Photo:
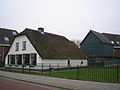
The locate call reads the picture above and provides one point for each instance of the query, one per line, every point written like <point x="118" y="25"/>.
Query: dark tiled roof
<point x="51" y="46"/>
<point x="103" y="38"/>
<point x="113" y="39"/>
<point x="7" y="36"/>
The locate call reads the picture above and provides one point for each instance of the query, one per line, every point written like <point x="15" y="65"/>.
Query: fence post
<point x="29" y="68"/>
<point x="9" y="67"/>
<point x="77" y="72"/>
<point x="117" y="73"/>
<point x="50" y="70"/>
<point x="23" y="68"/>
<point x="42" y="67"/>
<point x="58" y="65"/>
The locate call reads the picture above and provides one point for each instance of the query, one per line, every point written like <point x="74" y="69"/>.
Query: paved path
<point x="6" y="84"/>
<point x="64" y="83"/>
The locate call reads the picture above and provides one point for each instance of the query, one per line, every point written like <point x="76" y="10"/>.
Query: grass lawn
<point x="91" y="74"/>
<point x="111" y="74"/>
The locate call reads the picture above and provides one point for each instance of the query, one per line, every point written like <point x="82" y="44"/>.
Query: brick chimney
<point x="41" y="29"/>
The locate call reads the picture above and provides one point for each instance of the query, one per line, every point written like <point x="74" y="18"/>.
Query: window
<point x="24" y="45"/>
<point x="11" y="59"/>
<point x="81" y="62"/>
<point x="14" y="33"/>
<point x="26" y="59"/>
<point x="112" y="42"/>
<point x="68" y="62"/>
<point x="17" y="47"/>
<point x="33" y="58"/>
<point x="6" y="38"/>
<point x="98" y="60"/>
<point x="118" y="42"/>
<point x="19" y="59"/>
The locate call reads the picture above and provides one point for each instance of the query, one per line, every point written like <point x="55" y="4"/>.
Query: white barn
<point x="34" y="47"/>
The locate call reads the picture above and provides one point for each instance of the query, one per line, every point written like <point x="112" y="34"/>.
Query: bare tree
<point x="77" y="42"/>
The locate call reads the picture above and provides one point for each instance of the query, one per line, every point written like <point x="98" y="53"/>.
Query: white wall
<point x="64" y="62"/>
<point x="29" y="48"/>
<point x="55" y="63"/>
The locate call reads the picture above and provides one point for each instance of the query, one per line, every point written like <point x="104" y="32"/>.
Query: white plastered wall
<point x="29" y="48"/>
<point x="64" y="62"/>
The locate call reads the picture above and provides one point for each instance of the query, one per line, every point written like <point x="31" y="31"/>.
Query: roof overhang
<point x="4" y="44"/>
<point x="116" y="46"/>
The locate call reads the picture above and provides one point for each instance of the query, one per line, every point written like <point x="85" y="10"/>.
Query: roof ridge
<point x="45" y="32"/>
<point x="102" y="37"/>
<point x="8" y="29"/>
<point x="112" y="34"/>
<point x="52" y="46"/>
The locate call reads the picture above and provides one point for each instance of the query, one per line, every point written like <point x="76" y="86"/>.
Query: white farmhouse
<point x="33" y="47"/>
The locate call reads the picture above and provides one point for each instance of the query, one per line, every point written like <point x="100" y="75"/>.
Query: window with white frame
<point x="24" y="45"/>
<point x="11" y="59"/>
<point x="26" y="59"/>
<point x="33" y="58"/>
<point x="19" y="59"/>
<point x="17" y="46"/>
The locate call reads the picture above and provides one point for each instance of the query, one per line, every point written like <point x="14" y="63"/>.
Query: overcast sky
<point x="70" y="18"/>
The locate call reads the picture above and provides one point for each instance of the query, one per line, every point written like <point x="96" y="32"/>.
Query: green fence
<point x="109" y="74"/>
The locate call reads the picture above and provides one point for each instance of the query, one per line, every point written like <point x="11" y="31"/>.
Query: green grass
<point x="110" y="75"/>
<point x="91" y="74"/>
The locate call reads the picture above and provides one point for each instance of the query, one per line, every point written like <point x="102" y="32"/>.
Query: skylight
<point x="118" y="42"/>
<point x="6" y="38"/>
<point x="112" y="42"/>
<point x="14" y="33"/>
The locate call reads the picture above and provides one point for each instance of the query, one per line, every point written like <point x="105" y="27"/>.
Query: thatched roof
<point x="51" y="46"/>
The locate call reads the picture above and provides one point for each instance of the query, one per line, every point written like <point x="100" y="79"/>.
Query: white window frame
<point x="17" y="46"/>
<point x="24" y="45"/>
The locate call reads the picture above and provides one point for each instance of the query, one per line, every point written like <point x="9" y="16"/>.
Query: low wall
<point x="49" y="63"/>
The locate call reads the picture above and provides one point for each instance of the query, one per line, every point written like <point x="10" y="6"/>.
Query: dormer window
<point x="14" y="33"/>
<point x="118" y="42"/>
<point x="24" y="45"/>
<point x="112" y="42"/>
<point x="6" y="38"/>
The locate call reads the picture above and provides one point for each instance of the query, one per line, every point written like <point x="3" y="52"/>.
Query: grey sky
<point x="70" y="18"/>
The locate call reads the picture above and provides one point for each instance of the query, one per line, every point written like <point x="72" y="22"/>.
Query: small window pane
<point x="14" y="33"/>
